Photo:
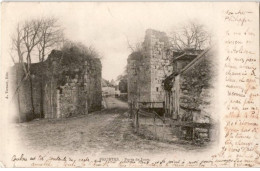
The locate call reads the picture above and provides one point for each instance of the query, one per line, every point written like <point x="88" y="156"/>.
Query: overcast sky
<point x="107" y="25"/>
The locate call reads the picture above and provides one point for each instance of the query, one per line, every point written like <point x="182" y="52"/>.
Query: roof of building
<point x="195" y="61"/>
<point x="187" y="54"/>
<point x="168" y="80"/>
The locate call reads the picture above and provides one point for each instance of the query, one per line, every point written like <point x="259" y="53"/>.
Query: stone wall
<point x="68" y="83"/>
<point x="92" y="83"/>
<point x="196" y="90"/>
<point x="21" y="97"/>
<point x="108" y="91"/>
<point x="138" y="77"/>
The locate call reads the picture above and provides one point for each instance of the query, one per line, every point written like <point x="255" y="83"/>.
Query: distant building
<point x="108" y="91"/>
<point x="113" y="83"/>
<point x="109" y="88"/>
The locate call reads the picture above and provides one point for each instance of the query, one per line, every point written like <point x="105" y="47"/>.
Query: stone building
<point x="67" y="83"/>
<point x="179" y="83"/>
<point x="147" y="69"/>
<point x="190" y="92"/>
<point x="179" y="61"/>
<point x="108" y="91"/>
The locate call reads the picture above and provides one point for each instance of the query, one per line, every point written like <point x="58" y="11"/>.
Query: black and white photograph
<point x="130" y="84"/>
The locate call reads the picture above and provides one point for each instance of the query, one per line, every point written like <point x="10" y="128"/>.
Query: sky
<point x="107" y="25"/>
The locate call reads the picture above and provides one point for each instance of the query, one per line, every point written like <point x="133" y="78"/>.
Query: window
<point x="157" y="89"/>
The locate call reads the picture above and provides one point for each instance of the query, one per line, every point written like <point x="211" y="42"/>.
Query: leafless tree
<point x="137" y="47"/>
<point x="30" y="36"/>
<point x="17" y="44"/>
<point x="190" y="36"/>
<point x="23" y="42"/>
<point x="17" y="47"/>
<point x="51" y="35"/>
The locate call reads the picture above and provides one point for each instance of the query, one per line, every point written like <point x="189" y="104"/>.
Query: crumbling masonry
<point x="147" y="69"/>
<point x="180" y="83"/>
<point x="68" y="83"/>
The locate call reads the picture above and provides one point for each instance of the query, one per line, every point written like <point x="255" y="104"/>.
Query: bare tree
<point x="23" y="42"/>
<point x="191" y="36"/>
<point x="17" y="47"/>
<point x="17" y="44"/>
<point x="31" y="39"/>
<point x="42" y="34"/>
<point x="51" y="35"/>
<point x="137" y="47"/>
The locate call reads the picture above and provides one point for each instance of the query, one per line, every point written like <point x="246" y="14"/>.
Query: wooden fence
<point x="150" y="120"/>
<point x="165" y="128"/>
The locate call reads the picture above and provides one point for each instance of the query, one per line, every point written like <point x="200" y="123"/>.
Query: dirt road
<point x="99" y="133"/>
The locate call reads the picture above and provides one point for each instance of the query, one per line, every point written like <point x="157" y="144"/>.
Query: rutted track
<point x="107" y="132"/>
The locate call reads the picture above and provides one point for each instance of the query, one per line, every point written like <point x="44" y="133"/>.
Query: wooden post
<point x="154" y="124"/>
<point x="164" y="110"/>
<point x="58" y="103"/>
<point x="193" y="133"/>
<point x="209" y="133"/>
<point x="165" y="103"/>
<point x="131" y="109"/>
<point x="136" y="121"/>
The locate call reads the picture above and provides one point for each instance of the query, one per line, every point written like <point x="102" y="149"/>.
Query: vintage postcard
<point x="129" y="84"/>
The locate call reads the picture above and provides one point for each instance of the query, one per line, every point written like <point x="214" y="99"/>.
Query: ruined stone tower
<point x="148" y="68"/>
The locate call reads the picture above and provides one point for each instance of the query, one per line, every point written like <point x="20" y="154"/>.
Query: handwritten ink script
<point x="241" y="118"/>
<point x="241" y="109"/>
<point x="68" y="161"/>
